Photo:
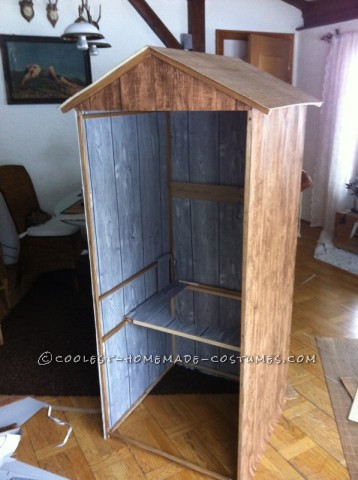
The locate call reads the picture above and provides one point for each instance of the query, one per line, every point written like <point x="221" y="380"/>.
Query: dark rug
<point x="51" y="317"/>
<point x="54" y="320"/>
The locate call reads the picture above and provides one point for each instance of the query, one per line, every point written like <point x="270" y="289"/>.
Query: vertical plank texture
<point x="104" y="207"/>
<point x="273" y="172"/>
<point x="129" y="198"/>
<point x="204" y="168"/>
<point x="128" y="209"/>
<point x="232" y="153"/>
<point x="155" y="85"/>
<point x="208" y="147"/>
<point x="182" y="247"/>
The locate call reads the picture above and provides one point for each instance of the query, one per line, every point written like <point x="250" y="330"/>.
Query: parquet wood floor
<point x="305" y="443"/>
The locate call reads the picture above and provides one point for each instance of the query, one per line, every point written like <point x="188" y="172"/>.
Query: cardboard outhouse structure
<point x="191" y="168"/>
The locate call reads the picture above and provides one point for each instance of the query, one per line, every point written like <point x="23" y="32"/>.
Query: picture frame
<point x="42" y="69"/>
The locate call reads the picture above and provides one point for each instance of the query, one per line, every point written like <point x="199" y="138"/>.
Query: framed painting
<point x="42" y="69"/>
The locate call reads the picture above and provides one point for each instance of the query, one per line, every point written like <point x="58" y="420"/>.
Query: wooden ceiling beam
<point x="196" y="23"/>
<point x="325" y="12"/>
<point x="155" y="23"/>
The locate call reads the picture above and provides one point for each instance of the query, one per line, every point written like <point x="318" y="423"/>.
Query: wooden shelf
<point x="214" y="193"/>
<point x="156" y="314"/>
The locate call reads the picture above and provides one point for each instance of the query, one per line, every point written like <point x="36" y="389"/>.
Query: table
<point x="71" y="209"/>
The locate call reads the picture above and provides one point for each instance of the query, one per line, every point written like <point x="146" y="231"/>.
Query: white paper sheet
<point x="20" y="411"/>
<point x="8" y="445"/>
<point x="19" y="470"/>
<point x="10" y="469"/>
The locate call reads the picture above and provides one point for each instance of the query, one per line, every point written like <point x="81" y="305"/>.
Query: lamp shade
<point x="82" y="43"/>
<point x="99" y="43"/>
<point x="94" y="45"/>
<point x="81" y="29"/>
<point x="93" y="50"/>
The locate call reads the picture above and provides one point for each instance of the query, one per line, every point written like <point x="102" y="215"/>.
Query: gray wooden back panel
<point x="128" y="176"/>
<point x="181" y="212"/>
<point x="129" y="209"/>
<point x="208" y="147"/>
<point x="129" y="367"/>
<point x="101" y="165"/>
<point x="150" y="192"/>
<point x="204" y="168"/>
<point x="232" y="154"/>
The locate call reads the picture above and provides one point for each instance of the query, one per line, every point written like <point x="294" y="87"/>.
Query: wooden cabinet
<point x="345" y="233"/>
<point x="191" y="166"/>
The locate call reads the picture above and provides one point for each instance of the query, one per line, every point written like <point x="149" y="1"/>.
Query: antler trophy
<point x="52" y="12"/>
<point x="84" y="7"/>
<point x="27" y="9"/>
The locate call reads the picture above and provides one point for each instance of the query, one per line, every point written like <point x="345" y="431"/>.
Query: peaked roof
<point x="232" y="76"/>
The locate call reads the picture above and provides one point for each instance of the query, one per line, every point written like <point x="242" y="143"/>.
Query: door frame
<point x="222" y="35"/>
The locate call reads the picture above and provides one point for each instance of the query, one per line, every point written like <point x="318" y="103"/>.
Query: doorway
<point x="270" y="52"/>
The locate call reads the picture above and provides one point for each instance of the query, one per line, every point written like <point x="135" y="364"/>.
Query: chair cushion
<point x="53" y="228"/>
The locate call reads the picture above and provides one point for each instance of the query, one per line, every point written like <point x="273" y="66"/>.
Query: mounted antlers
<point x="27" y="9"/>
<point x="52" y="12"/>
<point x="84" y="7"/>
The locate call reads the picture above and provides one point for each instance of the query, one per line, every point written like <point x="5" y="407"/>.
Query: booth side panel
<point x="272" y="194"/>
<point x="128" y="209"/>
<point x="128" y="198"/>
<point x="104" y="211"/>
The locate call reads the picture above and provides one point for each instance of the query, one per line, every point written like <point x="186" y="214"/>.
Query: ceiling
<point x="315" y="13"/>
<point x="325" y="12"/>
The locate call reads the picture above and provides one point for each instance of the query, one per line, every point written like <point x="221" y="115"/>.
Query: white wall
<point x="311" y="60"/>
<point x="45" y="140"/>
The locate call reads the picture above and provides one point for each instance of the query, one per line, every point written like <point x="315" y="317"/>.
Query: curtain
<point x="337" y="154"/>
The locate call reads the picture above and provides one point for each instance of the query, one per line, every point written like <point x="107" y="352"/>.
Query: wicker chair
<point x="41" y="249"/>
<point x="4" y="288"/>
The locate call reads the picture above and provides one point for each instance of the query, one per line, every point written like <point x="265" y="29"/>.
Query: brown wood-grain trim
<point x="108" y="98"/>
<point x="93" y="265"/>
<point x="189" y="336"/>
<point x="170" y="202"/>
<point x="111" y="113"/>
<point x="156" y="85"/>
<point x="214" y="193"/>
<point x="272" y="189"/>
<point x="114" y="330"/>
<point x="138" y="88"/>
<point x="209" y="81"/>
<point x="210" y="290"/>
<point x="103" y="82"/>
<point x="242" y="394"/>
<point x="128" y="280"/>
